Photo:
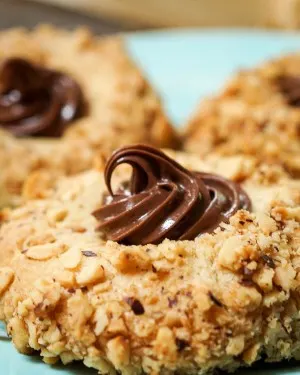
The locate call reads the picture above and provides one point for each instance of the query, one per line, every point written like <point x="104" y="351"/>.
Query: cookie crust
<point x="252" y="116"/>
<point x="220" y="301"/>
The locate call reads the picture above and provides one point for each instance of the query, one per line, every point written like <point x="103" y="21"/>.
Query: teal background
<point x="186" y="65"/>
<point x="183" y="66"/>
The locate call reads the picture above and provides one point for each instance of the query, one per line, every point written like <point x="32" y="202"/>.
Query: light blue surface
<point x="183" y="66"/>
<point x="186" y="65"/>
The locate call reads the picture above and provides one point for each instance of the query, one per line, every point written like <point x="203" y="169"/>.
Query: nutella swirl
<point x="164" y="200"/>
<point x="36" y="101"/>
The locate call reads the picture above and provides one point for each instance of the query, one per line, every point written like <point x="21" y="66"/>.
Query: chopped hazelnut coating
<point x="119" y="106"/>
<point x="222" y="300"/>
<point x="257" y="113"/>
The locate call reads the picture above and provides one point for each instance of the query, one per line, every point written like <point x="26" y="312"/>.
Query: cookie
<point x="257" y="113"/>
<point x="23" y="161"/>
<point x="59" y="89"/>
<point x="54" y="82"/>
<point x="159" y="267"/>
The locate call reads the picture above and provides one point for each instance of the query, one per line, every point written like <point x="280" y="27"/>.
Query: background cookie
<point x="257" y="114"/>
<point x="118" y="106"/>
<point x="220" y="301"/>
<point x="21" y="159"/>
<point x="87" y="90"/>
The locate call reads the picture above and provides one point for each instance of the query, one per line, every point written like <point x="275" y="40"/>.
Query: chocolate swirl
<point x="164" y="200"/>
<point x="36" y="101"/>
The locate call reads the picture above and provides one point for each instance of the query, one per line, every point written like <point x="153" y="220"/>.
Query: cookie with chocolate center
<point x="156" y="263"/>
<point x="257" y="113"/>
<point x="57" y="85"/>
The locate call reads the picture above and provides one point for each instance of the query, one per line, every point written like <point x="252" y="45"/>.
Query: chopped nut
<point x="115" y="309"/>
<point x="103" y="287"/>
<point x="165" y="345"/>
<point x="49" y="360"/>
<point x="52" y="335"/>
<point x="55" y="215"/>
<point x="90" y="273"/>
<point x="233" y="252"/>
<point x="117" y="326"/>
<point x="252" y="266"/>
<point x="285" y="276"/>
<point x="77" y="228"/>
<point x="44" y="252"/>
<point x="296" y="263"/>
<point x="235" y="167"/>
<point x="140" y="325"/>
<point x="65" y="278"/>
<point x="71" y="258"/>
<point x="42" y="239"/>
<point x="291" y="213"/>
<point x="251" y="354"/>
<point x="37" y="185"/>
<point x="286" y="213"/>
<point x="235" y="345"/>
<point x="202" y="354"/>
<point x="173" y="318"/>
<point x="133" y="260"/>
<point x="266" y="223"/>
<point x="118" y="352"/>
<point x="101" y="320"/>
<point x="274" y="297"/>
<point x="57" y="347"/>
<point x="99" y="364"/>
<point x="46" y="295"/>
<point x="68" y="357"/>
<point x="202" y="299"/>
<point x="79" y="312"/>
<point x="264" y="279"/>
<point x="6" y="278"/>
<point x="17" y="330"/>
<point x="242" y="297"/>
<point x="33" y="336"/>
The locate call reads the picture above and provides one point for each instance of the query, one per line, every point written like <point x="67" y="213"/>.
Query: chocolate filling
<point x="35" y="101"/>
<point x="164" y="200"/>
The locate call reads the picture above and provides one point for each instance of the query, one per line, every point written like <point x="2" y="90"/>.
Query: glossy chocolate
<point x="164" y="200"/>
<point x="36" y="101"/>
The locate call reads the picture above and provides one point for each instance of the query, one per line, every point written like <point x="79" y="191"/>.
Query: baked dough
<point x="121" y="107"/>
<point x="223" y="300"/>
<point x="257" y="113"/>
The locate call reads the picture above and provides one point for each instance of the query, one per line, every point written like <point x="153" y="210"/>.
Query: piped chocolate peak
<point x="35" y="101"/>
<point x="164" y="200"/>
